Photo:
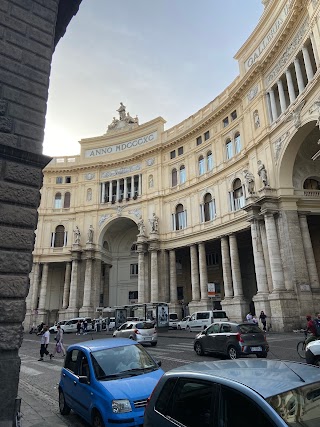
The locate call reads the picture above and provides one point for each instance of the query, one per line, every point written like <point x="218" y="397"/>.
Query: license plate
<point x="256" y="348"/>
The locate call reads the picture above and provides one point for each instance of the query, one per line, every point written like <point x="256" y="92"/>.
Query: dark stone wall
<point x="29" y="32"/>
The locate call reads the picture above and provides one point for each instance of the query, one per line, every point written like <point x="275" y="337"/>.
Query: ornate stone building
<point x="230" y="196"/>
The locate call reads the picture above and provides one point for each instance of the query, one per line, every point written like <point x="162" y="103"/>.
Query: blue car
<point x="108" y="381"/>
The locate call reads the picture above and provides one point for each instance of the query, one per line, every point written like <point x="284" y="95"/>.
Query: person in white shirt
<point x="59" y="343"/>
<point x="249" y="317"/>
<point x="44" y="341"/>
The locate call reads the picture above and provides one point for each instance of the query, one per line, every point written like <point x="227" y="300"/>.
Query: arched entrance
<point x="119" y="283"/>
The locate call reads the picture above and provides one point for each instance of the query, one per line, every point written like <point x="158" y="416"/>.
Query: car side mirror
<point x="83" y="379"/>
<point x="158" y="362"/>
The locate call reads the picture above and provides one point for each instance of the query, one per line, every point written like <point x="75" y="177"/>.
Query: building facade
<point x="230" y="196"/>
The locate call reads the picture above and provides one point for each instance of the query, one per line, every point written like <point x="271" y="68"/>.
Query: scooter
<point x="313" y="353"/>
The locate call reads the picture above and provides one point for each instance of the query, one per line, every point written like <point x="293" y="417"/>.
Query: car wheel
<point x="97" y="420"/>
<point x="63" y="407"/>
<point x="262" y="355"/>
<point x="188" y="329"/>
<point x="232" y="352"/>
<point x="153" y="344"/>
<point x="198" y="349"/>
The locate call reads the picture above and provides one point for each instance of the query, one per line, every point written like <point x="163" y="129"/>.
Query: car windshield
<point x="173" y="316"/>
<point x="249" y="328"/>
<point x="298" y="407"/>
<point x="121" y="361"/>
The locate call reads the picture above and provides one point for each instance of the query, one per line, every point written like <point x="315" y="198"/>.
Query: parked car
<point x="202" y="319"/>
<point x="143" y="332"/>
<point x="108" y="381"/>
<point x="228" y="393"/>
<point x="173" y="320"/>
<point x="71" y="325"/>
<point x="232" y="340"/>
<point x="183" y="323"/>
<point x="313" y="353"/>
<point x="53" y="329"/>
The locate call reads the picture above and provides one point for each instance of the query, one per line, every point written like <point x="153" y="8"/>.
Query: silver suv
<point x="143" y="332"/>
<point x="232" y="340"/>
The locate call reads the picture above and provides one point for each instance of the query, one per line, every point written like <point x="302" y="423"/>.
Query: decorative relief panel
<point x="89" y="176"/>
<point x="277" y="146"/>
<point x="253" y="93"/>
<point x="135" y="212"/>
<point x="120" y="171"/>
<point x="103" y="218"/>
<point x="150" y="162"/>
<point x="288" y="54"/>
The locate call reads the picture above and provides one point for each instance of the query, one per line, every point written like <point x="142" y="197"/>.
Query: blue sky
<point x="164" y="58"/>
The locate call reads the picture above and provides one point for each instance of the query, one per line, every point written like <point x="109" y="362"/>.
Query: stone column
<point x="274" y="112"/>
<point x="106" y="285"/>
<point x="269" y="107"/>
<point x="299" y="75"/>
<point x="87" y="283"/>
<point x="203" y="272"/>
<point x="195" y="284"/>
<point x="73" y="298"/>
<point x="309" y="254"/>
<point x="118" y="190"/>
<point x="154" y="276"/>
<point x="292" y="94"/>
<point x="235" y="266"/>
<point x="103" y="192"/>
<point x="141" y="274"/>
<point x="314" y="49"/>
<point x="139" y="185"/>
<point x="132" y="186"/>
<point x="35" y="290"/>
<point x="266" y="254"/>
<point x="226" y="268"/>
<point x="43" y="288"/>
<point x="259" y="264"/>
<point x="307" y="63"/>
<point x="110" y="191"/>
<point x="173" y="277"/>
<point x="282" y="96"/>
<point x="66" y="286"/>
<point x="274" y="253"/>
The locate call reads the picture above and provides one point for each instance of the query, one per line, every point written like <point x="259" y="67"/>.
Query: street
<point x="174" y="349"/>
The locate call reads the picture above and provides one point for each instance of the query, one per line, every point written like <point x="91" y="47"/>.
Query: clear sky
<point x="164" y="58"/>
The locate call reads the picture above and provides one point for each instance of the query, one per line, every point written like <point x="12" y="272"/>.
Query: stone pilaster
<point x="173" y="277"/>
<point x="226" y="268"/>
<point x="73" y="309"/>
<point x="154" y="273"/>
<point x="87" y="306"/>
<point x="264" y="243"/>
<point x="66" y="286"/>
<point x="235" y="267"/>
<point x="309" y="254"/>
<point x="43" y="292"/>
<point x="141" y="249"/>
<point x="195" y="284"/>
<point x="106" y="283"/>
<point x="203" y="273"/>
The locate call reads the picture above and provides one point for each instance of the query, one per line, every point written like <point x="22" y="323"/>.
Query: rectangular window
<point x="133" y="269"/>
<point x="180" y="151"/>
<point x="206" y="135"/>
<point x="201" y="166"/>
<point x="225" y="122"/>
<point x="234" y="115"/>
<point x="212" y="259"/>
<point x="59" y="180"/>
<point x="229" y="150"/>
<point x="133" y="295"/>
<point x="237" y="144"/>
<point x="68" y="179"/>
<point x="199" y="140"/>
<point x="173" y="154"/>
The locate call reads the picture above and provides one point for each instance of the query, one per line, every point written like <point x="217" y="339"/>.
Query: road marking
<point x="29" y="371"/>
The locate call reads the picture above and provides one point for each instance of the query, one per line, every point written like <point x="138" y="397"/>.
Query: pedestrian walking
<point x="249" y="317"/>
<point x="263" y="319"/>
<point x="44" y="342"/>
<point x="85" y="327"/>
<point x="59" y="348"/>
<point x="78" y="328"/>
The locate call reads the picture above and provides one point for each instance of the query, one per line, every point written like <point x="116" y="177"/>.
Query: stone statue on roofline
<point x="125" y="121"/>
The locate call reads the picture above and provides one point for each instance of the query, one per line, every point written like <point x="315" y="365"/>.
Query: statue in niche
<point x="154" y="222"/>
<point x="262" y="172"/>
<point x="141" y="227"/>
<point x="89" y="195"/>
<point x="90" y="234"/>
<point x="249" y="179"/>
<point x="77" y="235"/>
<point x="122" y="111"/>
<point x="256" y="119"/>
<point x="150" y="181"/>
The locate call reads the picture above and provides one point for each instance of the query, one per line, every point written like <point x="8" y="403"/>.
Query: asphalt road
<point x="174" y="349"/>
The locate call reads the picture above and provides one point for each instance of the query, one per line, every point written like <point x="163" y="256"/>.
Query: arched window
<point x="209" y="161"/>
<point x="59" y="237"/>
<point x="237" y="195"/>
<point x="237" y="143"/>
<point x="58" y="201"/>
<point x="182" y="174"/>
<point x="201" y="165"/>
<point x="66" y="201"/>
<point x="179" y="218"/>
<point x="311" y="184"/>
<point x="174" y="177"/>
<point x="208" y="211"/>
<point x="229" y="149"/>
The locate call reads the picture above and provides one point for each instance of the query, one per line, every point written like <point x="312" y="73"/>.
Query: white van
<point x="173" y="320"/>
<point x="202" y="319"/>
